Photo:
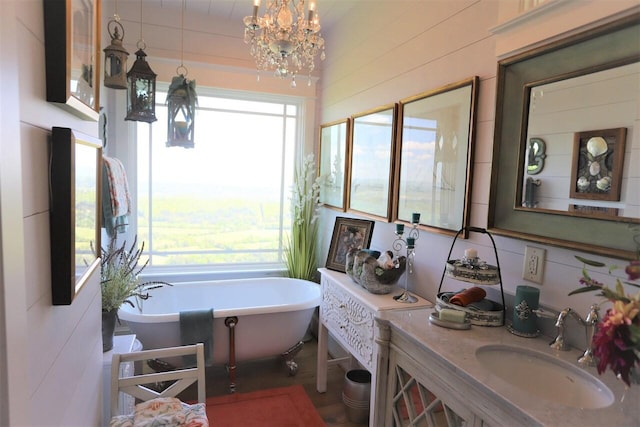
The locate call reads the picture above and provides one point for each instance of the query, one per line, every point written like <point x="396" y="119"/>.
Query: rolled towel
<point x="468" y="296"/>
<point x="484" y="305"/>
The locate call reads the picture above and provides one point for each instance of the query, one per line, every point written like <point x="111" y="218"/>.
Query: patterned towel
<point x="118" y="187"/>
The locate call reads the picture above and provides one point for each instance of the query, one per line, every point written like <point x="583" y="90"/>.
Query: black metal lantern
<point x="181" y="102"/>
<point x="115" y="58"/>
<point x="141" y="91"/>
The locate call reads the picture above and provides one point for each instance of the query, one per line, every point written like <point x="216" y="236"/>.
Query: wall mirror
<point x="564" y="94"/>
<point x="371" y="160"/>
<point x="435" y="156"/>
<point x="331" y="167"/>
<point x="75" y="175"/>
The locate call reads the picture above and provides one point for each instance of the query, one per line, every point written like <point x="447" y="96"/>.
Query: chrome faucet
<point x="592" y="319"/>
<point x="587" y="358"/>
<point x="559" y="343"/>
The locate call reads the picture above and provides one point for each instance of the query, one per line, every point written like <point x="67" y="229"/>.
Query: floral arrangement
<point x="300" y="250"/>
<point x="616" y="342"/>
<point x="119" y="275"/>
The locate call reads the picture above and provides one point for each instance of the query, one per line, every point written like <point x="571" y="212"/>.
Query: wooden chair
<point x="135" y="385"/>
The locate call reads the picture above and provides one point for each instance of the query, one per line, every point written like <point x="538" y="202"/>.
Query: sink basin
<point x="545" y="376"/>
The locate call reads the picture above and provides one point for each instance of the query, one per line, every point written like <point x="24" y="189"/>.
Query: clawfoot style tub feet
<point x="288" y="358"/>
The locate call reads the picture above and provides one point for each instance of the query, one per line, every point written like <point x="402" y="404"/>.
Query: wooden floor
<point x="270" y="373"/>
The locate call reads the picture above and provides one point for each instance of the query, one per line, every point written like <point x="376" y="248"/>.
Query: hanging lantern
<point x="181" y="100"/>
<point x="141" y="90"/>
<point x="115" y="57"/>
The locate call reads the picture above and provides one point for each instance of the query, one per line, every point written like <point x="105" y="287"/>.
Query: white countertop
<point x="458" y="347"/>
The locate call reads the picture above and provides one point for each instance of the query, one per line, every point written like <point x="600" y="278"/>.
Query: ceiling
<point x="330" y="11"/>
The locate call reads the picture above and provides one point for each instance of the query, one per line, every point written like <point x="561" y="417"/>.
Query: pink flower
<point x="613" y="347"/>
<point x="633" y="270"/>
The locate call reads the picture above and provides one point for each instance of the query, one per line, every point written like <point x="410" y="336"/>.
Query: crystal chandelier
<point x="284" y="39"/>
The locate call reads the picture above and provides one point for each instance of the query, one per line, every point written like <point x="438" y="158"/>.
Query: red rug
<point x="277" y="407"/>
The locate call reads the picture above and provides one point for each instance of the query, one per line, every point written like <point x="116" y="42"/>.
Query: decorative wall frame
<point x="72" y="55"/>
<point x="596" y="164"/>
<point x="371" y="162"/>
<point x="348" y="233"/>
<point x="434" y="156"/>
<point x="75" y="183"/>
<point x="334" y="143"/>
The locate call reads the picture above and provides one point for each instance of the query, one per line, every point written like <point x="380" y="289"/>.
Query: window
<point x="224" y="203"/>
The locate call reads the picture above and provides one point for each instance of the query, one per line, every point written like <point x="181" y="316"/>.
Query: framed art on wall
<point x="333" y="157"/>
<point x="72" y="55"/>
<point x="596" y="166"/>
<point x="435" y="156"/>
<point x="371" y="162"/>
<point x="75" y="178"/>
<point x="348" y="233"/>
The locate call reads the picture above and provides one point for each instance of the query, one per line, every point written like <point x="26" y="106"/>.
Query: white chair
<point x="137" y="385"/>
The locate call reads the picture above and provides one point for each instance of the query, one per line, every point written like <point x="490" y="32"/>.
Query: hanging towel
<point x="116" y="202"/>
<point x="197" y="326"/>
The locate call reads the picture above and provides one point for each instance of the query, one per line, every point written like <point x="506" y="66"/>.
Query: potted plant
<point x="120" y="283"/>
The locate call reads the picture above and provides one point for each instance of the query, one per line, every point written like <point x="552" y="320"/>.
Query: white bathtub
<point x="273" y="314"/>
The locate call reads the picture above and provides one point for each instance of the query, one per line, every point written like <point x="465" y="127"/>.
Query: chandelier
<point x="284" y="39"/>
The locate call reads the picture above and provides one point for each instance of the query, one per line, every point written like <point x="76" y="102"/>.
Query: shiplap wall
<point x="604" y="100"/>
<point x="61" y="367"/>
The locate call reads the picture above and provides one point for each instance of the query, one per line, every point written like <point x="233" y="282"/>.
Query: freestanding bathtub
<point x="273" y="315"/>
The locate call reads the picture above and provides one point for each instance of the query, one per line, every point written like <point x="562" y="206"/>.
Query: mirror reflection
<point x="580" y="144"/>
<point x="535" y="156"/>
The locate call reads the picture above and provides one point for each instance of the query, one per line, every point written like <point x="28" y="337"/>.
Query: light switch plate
<point x="533" y="267"/>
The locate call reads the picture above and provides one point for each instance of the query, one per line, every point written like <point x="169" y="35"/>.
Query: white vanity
<point x="348" y="311"/>
<point x="460" y="377"/>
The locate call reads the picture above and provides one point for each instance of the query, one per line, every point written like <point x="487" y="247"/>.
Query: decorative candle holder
<point x="409" y="243"/>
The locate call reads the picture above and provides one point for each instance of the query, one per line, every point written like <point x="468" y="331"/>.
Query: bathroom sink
<point x="545" y="376"/>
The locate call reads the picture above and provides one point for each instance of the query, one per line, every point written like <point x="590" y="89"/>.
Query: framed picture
<point x="596" y="164"/>
<point x="72" y="55"/>
<point x="331" y="168"/>
<point x="348" y="233"/>
<point x="75" y="175"/>
<point x="371" y="160"/>
<point x="435" y="156"/>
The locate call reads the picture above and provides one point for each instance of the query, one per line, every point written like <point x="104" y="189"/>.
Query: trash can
<point x="356" y="395"/>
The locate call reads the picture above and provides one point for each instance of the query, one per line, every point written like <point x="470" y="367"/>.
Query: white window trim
<point x="123" y="145"/>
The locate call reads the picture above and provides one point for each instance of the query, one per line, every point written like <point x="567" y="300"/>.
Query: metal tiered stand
<point x="474" y="271"/>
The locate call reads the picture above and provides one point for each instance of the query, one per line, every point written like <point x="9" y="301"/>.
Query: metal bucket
<point x="356" y="395"/>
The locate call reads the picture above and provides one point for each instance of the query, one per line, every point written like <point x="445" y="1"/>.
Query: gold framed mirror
<point x="582" y="226"/>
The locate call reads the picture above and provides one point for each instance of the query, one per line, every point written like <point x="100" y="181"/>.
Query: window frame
<point x="226" y="271"/>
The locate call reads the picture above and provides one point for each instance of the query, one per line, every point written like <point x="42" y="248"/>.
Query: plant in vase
<point x="300" y="249"/>
<point x="120" y="283"/>
<point x="616" y="342"/>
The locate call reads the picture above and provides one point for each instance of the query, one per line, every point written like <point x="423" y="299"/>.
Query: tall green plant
<point x="300" y="250"/>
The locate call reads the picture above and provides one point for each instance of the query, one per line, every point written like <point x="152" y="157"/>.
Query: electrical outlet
<point x="533" y="264"/>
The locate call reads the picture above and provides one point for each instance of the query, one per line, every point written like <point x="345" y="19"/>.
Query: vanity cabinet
<point x="348" y="312"/>
<point x="418" y="396"/>
<point x="419" y="388"/>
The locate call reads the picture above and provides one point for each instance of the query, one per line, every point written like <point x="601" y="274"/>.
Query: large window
<point x="224" y="203"/>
